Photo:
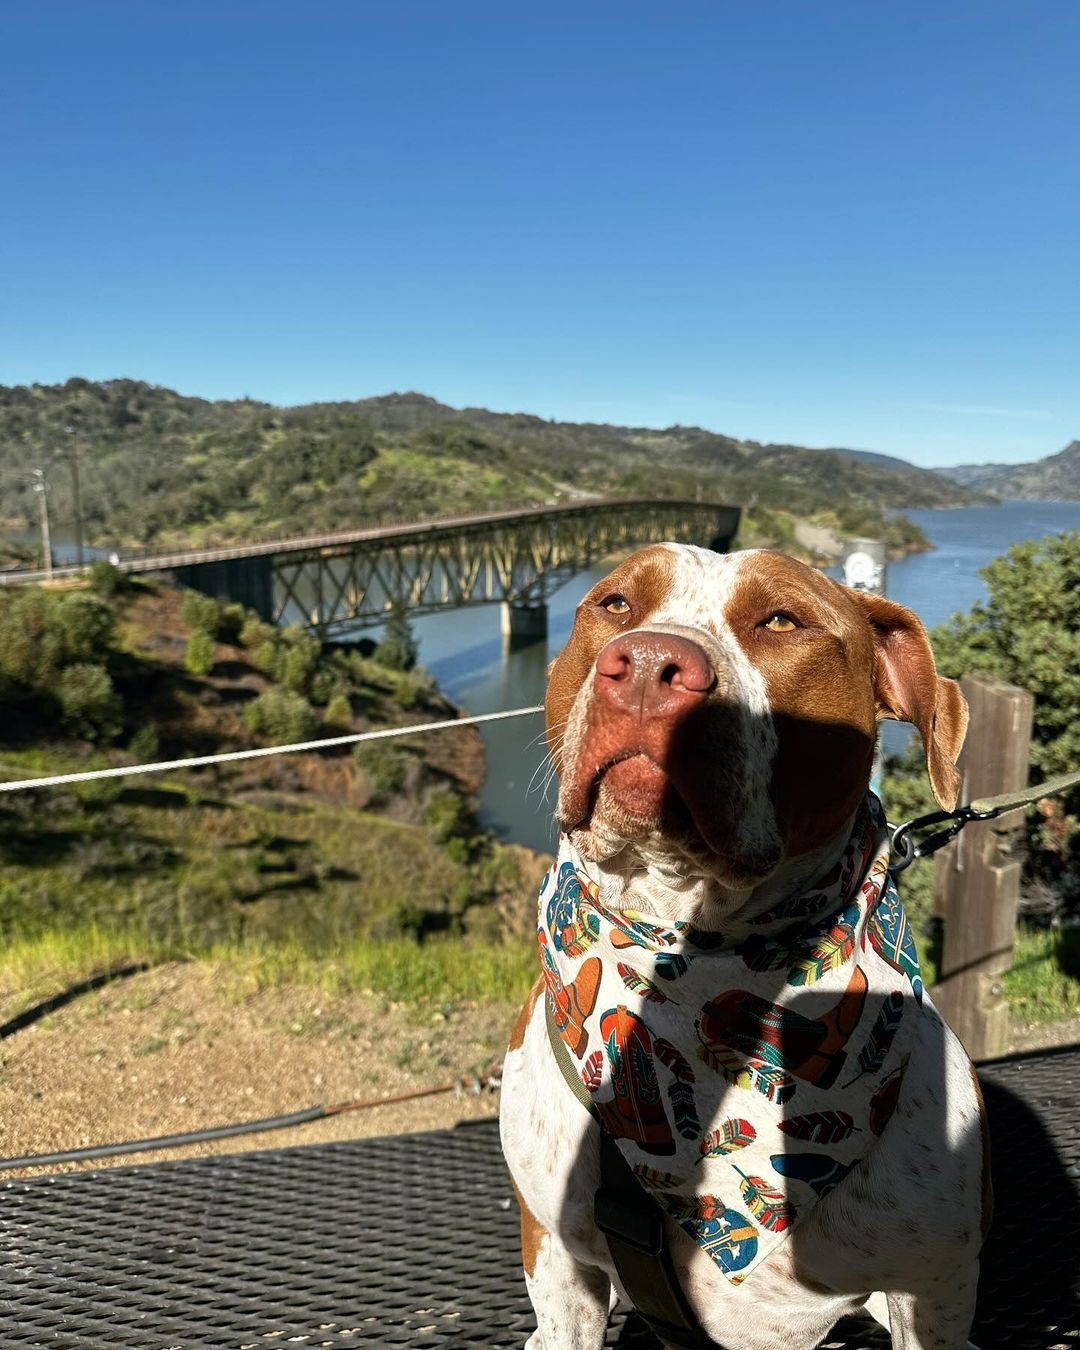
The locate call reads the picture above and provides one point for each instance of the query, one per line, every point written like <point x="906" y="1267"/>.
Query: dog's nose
<point x="654" y="674"/>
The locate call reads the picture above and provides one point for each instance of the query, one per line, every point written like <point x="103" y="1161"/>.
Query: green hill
<point x="158" y="467"/>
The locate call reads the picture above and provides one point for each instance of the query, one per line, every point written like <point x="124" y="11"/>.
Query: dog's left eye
<point x="616" y="604"/>
<point x="780" y="623"/>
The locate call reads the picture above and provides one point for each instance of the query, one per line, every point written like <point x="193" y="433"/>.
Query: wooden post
<point x="976" y="879"/>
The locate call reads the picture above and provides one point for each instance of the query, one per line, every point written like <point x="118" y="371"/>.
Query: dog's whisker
<point x="544" y="787"/>
<point x="537" y="739"/>
<point x="547" y="769"/>
<point x="540" y="768"/>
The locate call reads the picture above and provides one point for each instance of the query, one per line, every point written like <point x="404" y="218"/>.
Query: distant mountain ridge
<point x="160" y="467"/>
<point x="1055" y="478"/>
<point x="904" y="484"/>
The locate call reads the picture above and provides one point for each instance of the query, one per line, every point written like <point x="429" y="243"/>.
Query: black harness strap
<point x="633" y="1224"/>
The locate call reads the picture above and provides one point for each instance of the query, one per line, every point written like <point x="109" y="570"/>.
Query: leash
<point x="629" y="1217"/>
<point x="907" y="849"/>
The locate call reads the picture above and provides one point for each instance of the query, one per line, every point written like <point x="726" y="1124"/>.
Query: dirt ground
<point x="183" y="1047"/>
<point x="818" y="539"/>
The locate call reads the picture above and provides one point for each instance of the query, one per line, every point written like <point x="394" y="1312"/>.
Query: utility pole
<point x="76" y="494"/>
<point x="43" y="504"/>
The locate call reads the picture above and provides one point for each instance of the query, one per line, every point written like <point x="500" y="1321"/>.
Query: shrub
<point x="255" y="631"/>
<point x="106" y="580"/>
<point x="323" y="685"/>
<point x="411" y="688"/>
<point x="264" y="657"/>
<point x="89" y="705"/>
<point x="384" y="766"/>
<point x="145" y="743"/>
<point x="85" y="625"/>
<point x="22" y="634"/>
<point x="199" y="656"/>
<point x="231" y="620"/>
<point x="98" y="795"/>
<point x="445" y="815"/>
<point x="458" y="849"/>
<point x="41" y="633"/>
<point x="200" y="612"/>
<point x="339" y="709"/>
<point x="282" y="716"/>
<point x="298" y="668"/>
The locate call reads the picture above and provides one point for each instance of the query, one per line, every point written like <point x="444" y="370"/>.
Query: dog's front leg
<point x="937" y="1318"/>
<point x="570" y="1299"/>
<point x="552" y="1150"/>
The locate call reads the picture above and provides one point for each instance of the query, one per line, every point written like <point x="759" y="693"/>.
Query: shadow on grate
<point x="413" y="1241"/>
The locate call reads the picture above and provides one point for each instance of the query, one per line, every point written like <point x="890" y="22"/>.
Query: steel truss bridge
<point x="351" y="580"/>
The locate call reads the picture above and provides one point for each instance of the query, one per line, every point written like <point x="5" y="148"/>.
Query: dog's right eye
<point x="616" y="604"/>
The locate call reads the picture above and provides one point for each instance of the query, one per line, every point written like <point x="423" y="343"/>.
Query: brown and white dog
<point x="713" y="721"/>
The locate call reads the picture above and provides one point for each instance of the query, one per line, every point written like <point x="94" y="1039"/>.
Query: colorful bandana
<point x="743" y="1076"/>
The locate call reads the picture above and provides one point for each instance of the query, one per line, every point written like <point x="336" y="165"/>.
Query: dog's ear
<point x="908" y="688"/>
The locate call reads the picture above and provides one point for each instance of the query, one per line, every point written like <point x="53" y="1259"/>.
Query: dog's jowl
<point x="729" y="1009"/>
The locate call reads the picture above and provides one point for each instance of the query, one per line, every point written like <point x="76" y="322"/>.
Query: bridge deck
<point x="413" y="1241"/>
<point x="400" y="533"/>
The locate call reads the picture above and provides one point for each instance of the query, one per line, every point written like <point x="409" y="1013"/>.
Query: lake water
<point x="463" y="648"/>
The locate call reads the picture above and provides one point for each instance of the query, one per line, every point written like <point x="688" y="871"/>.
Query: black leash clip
<point x="906" y="848"/>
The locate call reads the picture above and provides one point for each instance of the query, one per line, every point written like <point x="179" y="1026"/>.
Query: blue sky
<point x="803" y="220"/>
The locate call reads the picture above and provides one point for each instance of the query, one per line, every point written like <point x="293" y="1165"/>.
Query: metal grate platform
<point x="413" y="1241"/>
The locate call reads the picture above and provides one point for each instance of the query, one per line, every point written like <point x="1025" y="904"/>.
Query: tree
<point x="86" y="625"/>
<point x="89" y="704"/>
<point x="398" y="648"/>
<point x="1028" y="632"/>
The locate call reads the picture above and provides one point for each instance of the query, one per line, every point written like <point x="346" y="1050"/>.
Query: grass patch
<point x="440" y="972"/>
<point x="191" y="871"/>
<point x="434" y="973"/>
<point x="1044" y="982"/>
<point x="35" y="968"/>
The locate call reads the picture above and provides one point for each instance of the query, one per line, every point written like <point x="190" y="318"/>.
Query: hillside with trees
<point x="161" y="468"/>
<point x="377" y="841"/>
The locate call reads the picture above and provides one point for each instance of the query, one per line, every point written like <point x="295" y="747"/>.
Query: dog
<point x="713" y="720"/>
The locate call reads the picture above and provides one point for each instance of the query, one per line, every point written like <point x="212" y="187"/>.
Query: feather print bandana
<point x="743" y="1075"/>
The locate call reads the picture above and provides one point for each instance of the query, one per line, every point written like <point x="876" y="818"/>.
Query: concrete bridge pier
<point x="523" y="623"/>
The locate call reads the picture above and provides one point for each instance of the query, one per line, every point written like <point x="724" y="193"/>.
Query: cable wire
<point x="231" y="756"/>
<point x="475" y="1083"/>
